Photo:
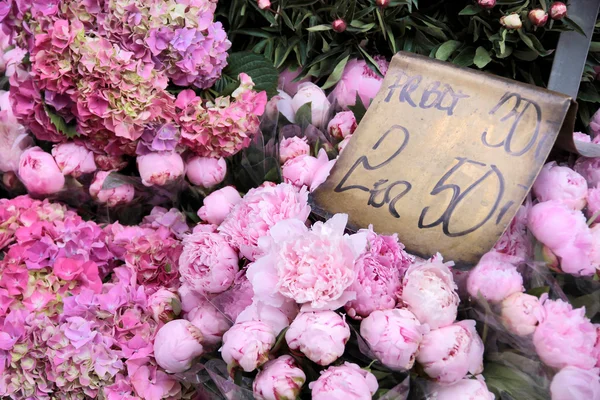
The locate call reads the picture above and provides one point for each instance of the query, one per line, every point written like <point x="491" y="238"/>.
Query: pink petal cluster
<point x="74" y="159"/>
<point x="279" y="379"/>
<point x="565" y="336"/>
<point x="515" y="241"/>
<point x="320" y="335"/>
<point x="113" y="196"/>
<point x="172" y="219"/>
<point x="176" y="344"/>
<point x="217" y="205"/>
<point x="293" y="147"/>
<point x="342" y="125"/>
<point x="211" y="322"/>
<point x="521" y="313"/>
<point x="13" y="138"/>
<point x="429" y="292"/>
<point x="313" y="267"/>
<point x="206" y="172"/>
<point x="278" y="318"/>
<point x="358" y="79"/>
<point x="207" y="263"/>
<point x="160" y="168"/>
<point x="495" y="277"/>
<point x="247" y="344"/>
<point x="306" y="170"/>
<point x="309" y="93"/>
<point x="449" y="353"/>
<point x="467" y="388"/>
<point x="223" y="127"/>
<point x="394" y="336"/>
<point x="344" y="382"/>
<point x="562" y="184"/>
<point x="576" y="383"/>
<point x="379" y="272"/>
<point x="258" y="212"/>
<point x="39" y="173"/>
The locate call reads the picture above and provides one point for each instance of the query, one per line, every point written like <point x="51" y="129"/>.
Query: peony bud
<point x="449" y="353"/>
<point x="287" y="81"/>
<point x="467" y="389"/>
<point x="319" y="104"/>
<point x="561" y="183"/>
<point x="121" y="194"/>
<point x="394" y="336"/>
<point x="211" y="322"/>
<point x="494" y="277"/>
<point x="74" y="159"/>
<point x="358" y="79"/>
<point x="293" y="147"/>
<point x="342" y="145"/>
<point x="264" y="4"/>
<point x="10" y="180"/>
<point x="247" y="344"/>
<point x="164" y="305"/>
<point x="538" y="17"/>
<point x="558" y="10"/>
<point x="512" y="21"/>
<point x="218" y="204"/>
<point x="339" y="25"/>
<point x="342" y="125"/>
<point x="278" y="318"/>
<point x="487" y="4"/>
<point x="160" y="168"/>
<point x="382" y="3"/>
<point x="344" y="382"/>
<point x="39" y="173"/>
<point x="205" y="171"/>
<point x="279" y="379"/>
<point x="575" y="383"/>
<point x="521" y="313"/>
<point x="176" y="344"/>
<point x="320" y="335"/>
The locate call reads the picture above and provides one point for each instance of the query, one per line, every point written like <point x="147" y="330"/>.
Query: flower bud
<point x="487" y="4"/>
<point x="121" y="194"/>
<point x="560" y="183"/>
<point x="347" y="381"/>
<point x="211" y="322"/>
<point x="293" y="147"/>
<point x="382" y="3"/>
<point x="521" y="313"/>
<point x="164" y="305"/>
<point x="39" y="173"/>
<point x="342" y="125"/>
<point x="177" y="343"/>
<point x="160" y="168"/>
<point x="339" y="25"/>
<point x="279" y="379"/>
<point x="575" y="383"/>
<point x="342" y="145"/>
<point x="319" y="104"/>
<point x="467" y="388"/>
<point x="494" y="277"/>
<point x="205" y="171"/>
<point x="74" y="159"/>
<point x="538" y="17"/>
<point x="558" y="10"/>
<point x="512" y="21"/>
<point x="320" y="335"/>
<point x="247" y="344"/>
<point x="218" y="204"/>
<point x="264" y="4"/>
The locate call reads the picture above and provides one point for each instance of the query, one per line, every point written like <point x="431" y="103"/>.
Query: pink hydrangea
<point x="207" y="263"/>
<point x="173" y="219"/>
<point x="313" y="267"/>
<point x="223" y="127"/>
<point x="259" y="210"/>
<point x="379" y="272"/>
<point x="565" y="336"/>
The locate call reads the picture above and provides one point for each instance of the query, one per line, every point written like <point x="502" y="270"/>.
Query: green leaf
<point x="538" y="291"/>
<point x="502" y="379"/>
<point x="590" y="301"/>
<point x="465" y="58"/>
<point x="446" y="49"/>
<point x="470" y="10"/>
<point x="263" y="73"/>
<point x="319" y="28"/>
<point x="573" y="25"/>
<point x="59" y="123"/>
<point x="304" y="115"/>
<point x="358" y="109"/>
<point x="482" y="57"/>
<point x="336" y="74"/>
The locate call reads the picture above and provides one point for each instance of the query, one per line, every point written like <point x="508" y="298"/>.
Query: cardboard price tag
<point x="444" y="157"/>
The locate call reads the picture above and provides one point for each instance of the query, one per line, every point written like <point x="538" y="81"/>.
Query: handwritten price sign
<point x="444" y="157"/>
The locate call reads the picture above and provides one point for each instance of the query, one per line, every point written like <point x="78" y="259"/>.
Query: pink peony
<point x="464" y="389"/>
<point x="342" y="145"/>
<point x="280" y="104"/>
<point x="120" y="194"/>
<point x="177" y="343"/>
<point x="287" y="80"/>
<point x="359" y="80"/>
<point x="516" y="241"/>
<point x="521" y="313"/>
<point x="279" y="379"/>
<point x="14" y="140"/>
<point x="321" y="336"/>
<point x="342" y="125"/>
<point x="561" y="183"/>
<point x="278" y="318"/>
<point x="208" y="264"/>
<point x="575" y="383"/>
<point x="74" y="159"/>
<point x="494" y="277"/>
<point x="344" y="382"/>
<point x="379" y="272"/>
<point x="429" y="291"/>
<point x="309" y="93"/>
<point x="160" y="168"/>
<point x="259" y="210"/>
<point x="593" y="202"/>
<point x="217" y="205"/>
<point x="595" y="124"/>
<point x="307" y="170"/>
<point x="206" y="172"/>
<point x="449" y="353"/>
<point x="313" y="267"/>
<point x="293" y="147"/>
<point x="322" y="173"/>
<point x="211" y="322"/>
<point x="247" y="344"/>
<point x="164" y="305"/>
<point x="582" y="137"/>
<point x="564" y="336"/>
<point x="589" y="168"/>
<point x="394" y="336"/>
<point x="39" y="173"/>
